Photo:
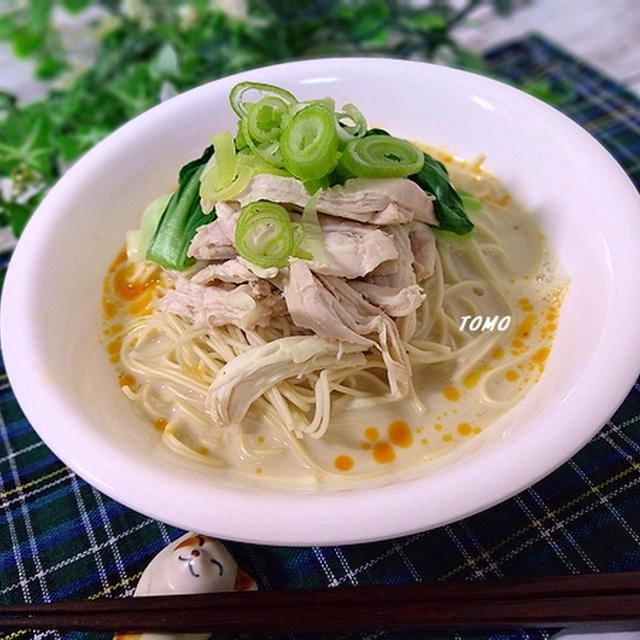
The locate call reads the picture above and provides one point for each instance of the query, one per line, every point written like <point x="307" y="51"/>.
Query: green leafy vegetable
<point x="448" y="205"/>
<point x="181" y="217"/>
<point x="137" y="240"/>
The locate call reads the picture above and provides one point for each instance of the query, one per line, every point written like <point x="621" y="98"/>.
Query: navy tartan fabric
<point x="60" y="538"/>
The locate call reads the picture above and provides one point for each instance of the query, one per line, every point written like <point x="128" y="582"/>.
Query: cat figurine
<point x="194" y="563"/>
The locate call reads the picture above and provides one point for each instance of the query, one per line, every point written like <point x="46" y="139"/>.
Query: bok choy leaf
<point x="180" y="218"/>
<point x="448" y="206"/>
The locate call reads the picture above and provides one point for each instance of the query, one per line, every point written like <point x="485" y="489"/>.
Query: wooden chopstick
<point x="538" y="602"/>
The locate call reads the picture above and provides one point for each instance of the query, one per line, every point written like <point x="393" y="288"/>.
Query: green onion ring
<point x="264" y="234"/>
<point x="268" y="151"/>
<point x="309" y="143"/>
<point x="380" y="156"/>
<point x="220" y="171"/>
<point x="237" y="93"/>
<point x="266" y="118"/>
<point x="356" y="129"/>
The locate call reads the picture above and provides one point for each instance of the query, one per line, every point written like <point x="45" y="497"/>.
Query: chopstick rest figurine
<point x="194" y="563"/>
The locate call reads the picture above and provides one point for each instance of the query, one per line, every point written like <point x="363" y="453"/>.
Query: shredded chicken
<point x="245" y="378"/>
<point x="236" y="270"/>
<point x="367" y="319"/>
<point x="311" y="306"/>
<point x="214" y="241"/>
<point x="245" y="306"/>
<point x="352" y="249"/>
<point x="393" y="301"/>
<point x="370" y="200"/>
<point x="211" y="243"/>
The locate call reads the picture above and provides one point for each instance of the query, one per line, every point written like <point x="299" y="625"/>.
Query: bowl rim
<point x="272" y="510"/>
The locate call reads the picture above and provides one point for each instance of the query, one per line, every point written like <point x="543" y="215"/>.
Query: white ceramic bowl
<point x="589" y="210"/>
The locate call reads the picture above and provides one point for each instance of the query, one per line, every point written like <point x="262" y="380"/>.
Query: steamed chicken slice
<point x="372" y="200"/>
<point x="311" y="306"/>
<point x="398" y="292"/>
<point x="352" y="249"/>
<point x="247" y="305"/>
<point x="214" y="241"/>
<point x="423" y="248"/>
<point x="210" y="242"/>
<point x="331" y="308"/>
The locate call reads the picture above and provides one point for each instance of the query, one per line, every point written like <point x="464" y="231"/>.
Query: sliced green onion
<point x="381" y="156"/>
<point x="264" y="234"/>
<point x="240" y="106"/>
<point x="266" y="118"/>
<point x="309" y="143"/>
<point x="358" y="127"/>
<point x="222" y="167"/>
<point x="258" y="165"/>
<point x="268" y="151"/>
<point x="229" y="191"/>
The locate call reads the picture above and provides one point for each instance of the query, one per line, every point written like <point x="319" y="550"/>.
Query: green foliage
<point x="146" y="49"/>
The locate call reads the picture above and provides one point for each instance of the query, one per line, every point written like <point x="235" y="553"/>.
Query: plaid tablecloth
<point x="60" y="538"/>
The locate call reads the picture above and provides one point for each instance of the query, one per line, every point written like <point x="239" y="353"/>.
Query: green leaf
<point x="25" y="141"/>
<point x="136" y="90"/>
<point x="49" y="67"/>
<point x="19" y="216"/>
<point x="39" y="14"/>
<point x="425" y="20"/>
<point x="8" y="102"/>
<point x="448" y="205"/>
<point x="7" y="24"/>
<point x="82" y="139"/>
<point x="75" y="6"/>
<point x="24" y="42"/>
